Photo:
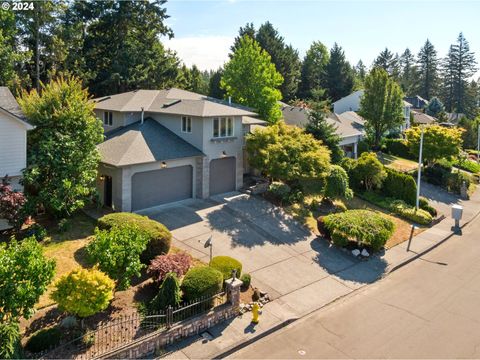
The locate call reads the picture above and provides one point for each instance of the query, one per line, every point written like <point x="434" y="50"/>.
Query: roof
<point x="422" y="118"/>
<point x="347" y="124"/>
<point x="406" y="103"/>
<point x="144" y="143"/>
<point x="10" y="105"/>
<point x="248" y="120"/>
<point x="357" y="92"/>
<point x="171" y="101"/>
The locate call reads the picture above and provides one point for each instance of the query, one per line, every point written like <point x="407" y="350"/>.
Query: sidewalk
<point x="225" y="338"/>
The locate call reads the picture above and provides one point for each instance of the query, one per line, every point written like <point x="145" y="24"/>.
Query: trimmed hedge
<point x="44" y="339"/>
<point x="246" y="280"/>
<point x="365" y="227"/>
<point x="159" y="236"/>
<point x="424" y="205"/>
<point x="468" y="165"/>
<point x="400" y="186"/>
<point x="226" y="264"/>
<point x="397" y="147"/>
<point x="404" y="210"/>
<point x="201" y="281"/>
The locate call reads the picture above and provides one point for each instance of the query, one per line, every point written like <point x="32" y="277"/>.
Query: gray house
<point x="163" y="146"/>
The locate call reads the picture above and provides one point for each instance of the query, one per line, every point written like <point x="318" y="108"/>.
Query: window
<point x="222" y="127"/>
<point x="107" y="118"/>
<point x="186" y="124"/>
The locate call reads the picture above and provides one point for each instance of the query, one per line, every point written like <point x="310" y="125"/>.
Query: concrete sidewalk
<point x="290" y="306"/>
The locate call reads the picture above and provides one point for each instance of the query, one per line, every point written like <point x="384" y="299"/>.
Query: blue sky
<point x="204" y="30"/>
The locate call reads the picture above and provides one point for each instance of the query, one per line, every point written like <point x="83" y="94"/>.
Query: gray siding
<point x="117" y="194"/>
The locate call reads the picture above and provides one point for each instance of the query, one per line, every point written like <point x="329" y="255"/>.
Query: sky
<point x="204" y="30"/>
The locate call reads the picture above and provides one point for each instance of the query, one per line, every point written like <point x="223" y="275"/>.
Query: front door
<point x="107" y="193"/>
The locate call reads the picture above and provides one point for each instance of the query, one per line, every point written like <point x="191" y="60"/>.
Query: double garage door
<point x="158" y="187"/>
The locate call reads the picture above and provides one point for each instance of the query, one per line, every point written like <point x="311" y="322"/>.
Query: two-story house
<point x="163" y="146"/>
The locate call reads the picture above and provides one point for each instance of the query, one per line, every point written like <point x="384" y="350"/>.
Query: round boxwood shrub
<point x="201" y="281"/>
<point x="246" y="280"/>
<point x="159" y="237"/>
<point x="226" y="264"/>
<point x="44" y="339"/>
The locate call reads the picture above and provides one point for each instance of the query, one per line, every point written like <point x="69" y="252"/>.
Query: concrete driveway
<point x="283" y="258"/>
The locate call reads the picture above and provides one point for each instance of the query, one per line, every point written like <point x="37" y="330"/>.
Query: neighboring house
<point x="422" y="118"/>
<point x="349" y="126"/>
<point x="164" y="146"/>
<point x="352" y="103"/>
<point x="13" y="138"/>
<point x="416" y="101"/>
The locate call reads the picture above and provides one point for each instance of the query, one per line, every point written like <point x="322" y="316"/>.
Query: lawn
<point x="397" y="163"/>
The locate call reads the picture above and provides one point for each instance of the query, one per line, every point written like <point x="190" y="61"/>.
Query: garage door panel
<point x="222" y="175"/>
<point x="157" y="187"/>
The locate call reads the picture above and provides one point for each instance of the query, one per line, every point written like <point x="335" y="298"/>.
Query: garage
<point x="222" y="175"/>
<point x="157" y="187"/>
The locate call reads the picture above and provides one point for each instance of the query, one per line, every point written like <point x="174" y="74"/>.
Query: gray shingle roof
<point x="171" y="101"/>
<point x="144" y="143"/>
<point x="422" y="118"/>
<point x="8" y="103"/>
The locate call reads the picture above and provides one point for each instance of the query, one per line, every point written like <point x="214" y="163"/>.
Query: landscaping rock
<point x="356" y="252"/>
<point x="365" y="253"/>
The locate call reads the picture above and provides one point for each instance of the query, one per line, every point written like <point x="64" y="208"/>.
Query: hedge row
<point x="400" y="186"/>
<point x="397" y="147"/>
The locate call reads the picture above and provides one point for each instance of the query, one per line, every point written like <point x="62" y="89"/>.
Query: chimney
<point x="229" y="100"/>
<point x="142" y="116"/>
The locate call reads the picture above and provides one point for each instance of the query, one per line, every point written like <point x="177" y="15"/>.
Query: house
<point x="422" y="118"/>
<point x="13" y="138"/>
<point x="349" y="125"/>
<point x="163" y="146"/>
<point x="416" y="101"/>
<point x="352" y="103"/>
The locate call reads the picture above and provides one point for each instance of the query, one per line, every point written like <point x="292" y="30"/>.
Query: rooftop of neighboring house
<point x="422" y="118"/>
<point x="454" y="117"/>
<point x="10" y="105"/>
<point x="171" y="101"/>
<point x="416" y="101"/>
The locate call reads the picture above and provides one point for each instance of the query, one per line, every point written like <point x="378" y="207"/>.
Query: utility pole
<point x="419" y="176"/>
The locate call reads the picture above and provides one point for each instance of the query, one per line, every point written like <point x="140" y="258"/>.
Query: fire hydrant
<point x="255" y="313"/>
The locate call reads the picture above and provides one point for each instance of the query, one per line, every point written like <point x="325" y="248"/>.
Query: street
<point x="428" y="309"/>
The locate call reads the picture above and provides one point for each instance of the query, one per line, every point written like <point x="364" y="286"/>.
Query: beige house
<point x="164" y="146"/>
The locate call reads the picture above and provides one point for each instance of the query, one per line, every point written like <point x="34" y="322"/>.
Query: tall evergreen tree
<point x="192" y="79"/>
<point x="249" y="30"/>
<point x="427" y="64"/>
<point x="408" y="71"/>
<point x="214" y="88"/>
<point x="360" y="71"/>
<point x="313" y="70"/>
<point x="387" y="61"/>
<point x="339" y="77"/>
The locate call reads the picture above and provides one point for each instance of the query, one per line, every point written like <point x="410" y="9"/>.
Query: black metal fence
<point x="112" y="334"/>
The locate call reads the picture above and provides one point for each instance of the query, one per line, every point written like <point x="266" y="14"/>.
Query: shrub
<point x="11" y="204"/>
<point x="117" y="252"/>
<point x="159" y="237"/>
<point x="83" y="292"/>
<point x="400" y="186"/>
<point x="337" y="184"/>
<point x="404" y="210"/>
<point x="279" y="191"/>
<point x="178" y="263"/>
<point x="226" y="264"/>
<point x="169" y="293"/>
<point x="246" y="280"/>
<point x="64" y="225"/>
<point x="398" y="147"/>
<point x="365" y="227"/>
<point x="201" y="281"/>
<point x="468" y="165"/>
<point x="322" y="228"/>
<point x="424" y="205"/>
<point x="38" y="231"/>
<point x="368" y="172"/>
<point x="455" y="181"/>
<point x="362" y="147"/>
<point x="44" y="339"/>
<point x="438" y="173"/>
<point x="10" y="347"/>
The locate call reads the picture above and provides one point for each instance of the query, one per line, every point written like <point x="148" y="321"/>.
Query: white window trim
<point x="188" y="120"/>
<point x="220" y="118"/>
<point x="107" y="115"/>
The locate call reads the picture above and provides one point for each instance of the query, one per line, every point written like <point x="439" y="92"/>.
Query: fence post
<point x="169" y="316"/>
<point x="233" y="291"/>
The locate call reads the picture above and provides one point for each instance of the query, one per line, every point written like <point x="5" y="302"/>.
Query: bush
<point x="400" y="186"/>
<point x="201" y="281"/>
<point x="365" y="227"/>
<point x="83" y="292"/>
<point x="38" y="231"/>
<point x="468" y="165"/>
<point x="362" y="147"/>
<point x="438" y="173"/>
<point x="159" y="237"/>
<point x="424" y="205"/>
<point x="322" y="229"/>
<point x="337" y="184"/>
<point x="246" y="280"/>
<point x="226" y="264"/>
<point x="178" y="263"/>
<point x="404" y="210"/>
<point x="169" y="293"/>
<point x="455" y="181"/>
<point x="11" y="204"/>
<point x="44" y="339"/>
<point x="117" y="252"/>
<point x="279" y="191"/>
<point x="10" y="346"/>
<point x="64" y="225"/>
<point x="368" y="172"/>
<point x="398" y="147"/>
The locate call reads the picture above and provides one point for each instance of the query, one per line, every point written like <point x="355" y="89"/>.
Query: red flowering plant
<point x="160" y="266"/>
<point x="11" y="204"/>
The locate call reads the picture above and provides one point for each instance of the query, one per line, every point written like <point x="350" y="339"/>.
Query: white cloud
<point x="207" y="52"/>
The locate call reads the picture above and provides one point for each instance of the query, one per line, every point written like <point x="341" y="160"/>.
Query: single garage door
<point x="222" y="175"/>
<point x="157" y="187"/>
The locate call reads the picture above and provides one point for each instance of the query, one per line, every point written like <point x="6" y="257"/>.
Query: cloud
<point x="207" y="52"/>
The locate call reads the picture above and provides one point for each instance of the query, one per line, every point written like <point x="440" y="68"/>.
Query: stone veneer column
<point x="233" y="291"/>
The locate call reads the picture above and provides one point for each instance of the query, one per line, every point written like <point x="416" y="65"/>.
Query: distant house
<point x="163" y="146"/>
<point x="349" y="125"/>
<point x="13" y="138"/>
<point x="416" y="101"/>
<point x="422" y="118"/>
<point x="352" y="103"/>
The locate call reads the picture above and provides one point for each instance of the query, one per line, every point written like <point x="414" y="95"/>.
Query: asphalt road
<point x="428" y="309"/>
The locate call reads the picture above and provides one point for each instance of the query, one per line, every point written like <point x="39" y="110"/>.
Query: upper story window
<point x="222" y="127"/>
<point x="186" y="124"/>
<point x="107" y="118"/>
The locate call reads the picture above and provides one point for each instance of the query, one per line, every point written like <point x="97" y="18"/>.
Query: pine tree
<point x="249" y="30"/>
<point x="339" y="77"/>
<point x="408" y="70"/>
<point x="169" y="293"/>
<point x="387" y="61"/>
<point x="427" y="64"/>
<point x="361" y="71"/>
<point x="313" y="70"/>
<point x="434" y="107"/>
<point x="214" y="88"/>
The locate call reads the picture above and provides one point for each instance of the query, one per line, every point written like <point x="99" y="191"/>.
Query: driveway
<point x="283" y="258"/>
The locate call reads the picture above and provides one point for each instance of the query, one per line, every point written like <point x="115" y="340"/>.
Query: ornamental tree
<point x="438" y="142"/>
<point x="178" y="263"/>
<point x="11" y="204"/>
<point x="337" y="184"/>
<point x="251" y="79"/>
<point x="62" y="154"/>
<point x="287" y="153"/>
<point x="169" y="293"/>
<point x="369" y="171"/>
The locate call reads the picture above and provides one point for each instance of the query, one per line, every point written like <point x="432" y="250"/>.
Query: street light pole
<point x="478" y="144"/>
<point x="419" y="176"/>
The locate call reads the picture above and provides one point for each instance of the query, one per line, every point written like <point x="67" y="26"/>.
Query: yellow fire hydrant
<point x="255" y="313"/>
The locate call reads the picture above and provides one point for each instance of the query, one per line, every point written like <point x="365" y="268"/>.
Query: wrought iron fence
<point x="112" y="334"/>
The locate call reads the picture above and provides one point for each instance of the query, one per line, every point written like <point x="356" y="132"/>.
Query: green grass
<point x="397" y="163"/>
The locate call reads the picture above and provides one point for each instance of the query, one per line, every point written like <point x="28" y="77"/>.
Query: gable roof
<point x="10" y="105"/>
<point x="171" y="101"/>
<point x="140" y="143"/>
<point x="422" y="118"/>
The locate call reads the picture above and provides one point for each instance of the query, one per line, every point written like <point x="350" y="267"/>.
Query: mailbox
<point x="457" y="212"/>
